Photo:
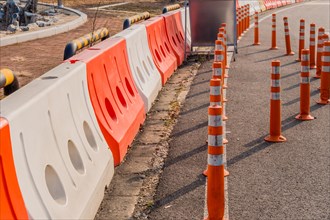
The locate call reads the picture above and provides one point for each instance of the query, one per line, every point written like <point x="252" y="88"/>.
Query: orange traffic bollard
<point x="319" y="52"/>
<point x="248" y="17"/>
<point x="301" y="38"/>
<point x="287" y="37"/>
<point x="216" y="92"/>
<point x="274" y="47"/>
<point x="256" y="29"/>
<point x="325" y="76"/>
<point x="312" y="47"/>
<point x="218" y="74"/>
<point x="223" y="31"/>
<point x="275" y="106"/>
<point x="219" y="57"/>
<point x="304" y="88"/>
<point x="245" y="18"/>
<point x="215" y="166"/>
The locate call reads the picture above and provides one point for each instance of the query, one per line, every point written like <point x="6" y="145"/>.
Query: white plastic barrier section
<point x="187" y="19"/>
<point x="146" y="76"/>
<point x="62" y="161"/>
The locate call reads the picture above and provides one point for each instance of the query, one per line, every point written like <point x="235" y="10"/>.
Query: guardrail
<point x="170" y="8"/>
<point x="8" y="81"/>
<point x="134" y="19"/>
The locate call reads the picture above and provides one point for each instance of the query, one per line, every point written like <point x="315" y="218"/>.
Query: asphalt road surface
<point x="289" y="180"/>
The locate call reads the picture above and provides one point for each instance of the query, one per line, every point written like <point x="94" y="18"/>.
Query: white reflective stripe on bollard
<point x="215" y="90"/>
<point x="326" y="69"/>
<point x="215" y="120"/>
<point x="215" y="160"/>
<point x="304" y="69"/>
<point x="275" y="70"/>
<point x="304" y="80"/>
<point x="276" y="83"/>
<point x="215" y="140"/>
<point x="275" y="96"/>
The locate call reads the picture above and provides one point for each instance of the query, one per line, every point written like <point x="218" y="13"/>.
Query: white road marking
<point x="109" y="6"/>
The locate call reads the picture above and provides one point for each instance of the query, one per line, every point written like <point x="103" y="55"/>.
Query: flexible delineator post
<point x="312" y="46"/>
<point x="319" y="52"/>
<point x="301" y="38"/>
<point x="256" y="29"/>
<point x="273" y="47"/>
<point x="275" y="106"/>
<point x="8" y="81"/>
<point x="304" y="88"/>
<point x="325" y="75"/>
<point x="289" y="52"/>
<point x="136" y="18"/>
<point x="215" y="165"/>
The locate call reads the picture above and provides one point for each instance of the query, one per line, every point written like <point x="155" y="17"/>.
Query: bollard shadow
<point x="288" y="64"/>
<point x="315" y="92"/>
<point x="199" y="126"/>
<point x="289" y="75"/>
<point x="201" y="82"/>
<point x="195" y="109"/>
<point x="204" y="72"/>
<point x="197" y="94"/>
<point x="271" y="58"/>
<point x="200" y="181"/>
<point x="186" y="155"/>
<point x="292" y="87"/>
<point x="260" y="51"/>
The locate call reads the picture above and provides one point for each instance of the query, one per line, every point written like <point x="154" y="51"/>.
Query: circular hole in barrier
<point x="140" y="74"/>
<point x="129" y="87"/>
<point x="121" y="97"/>
<point x="167" y="48"/>
<point x="181" y="36"/>
<point x="150" y="63"/>
<point x="157" y="55"/>
<point x="145" y="68"/>
<point x="173" y="39"/>
<point x="89" y="136"/>
<point x="54" y="185"/>
<point x="163" y="52"/>
<point x="75" y="158"/>
<point x="177" y="37"/>
<point x="110" y="110"/>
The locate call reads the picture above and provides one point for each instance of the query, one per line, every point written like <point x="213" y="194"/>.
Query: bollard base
<point x="271" y="138"/>
<point x="207" y="218"/>
<point x="226" y="173"/>
<point x="312" y="67"/>
<point x="298" y="60"/>
<point x="226" y="75"/>
<point x="256" y="44"/>
<point x="322" y="102"/>
<point x="273" y="48"/>
<point x="290" y="54"/>
<point x="225" y="141"/>
<point x="224" y="118"/>
<point x="317" y="77"/>
<point x="304" y="117"/>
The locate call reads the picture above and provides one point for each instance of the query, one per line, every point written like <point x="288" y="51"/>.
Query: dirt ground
<point x="31" y="59"/>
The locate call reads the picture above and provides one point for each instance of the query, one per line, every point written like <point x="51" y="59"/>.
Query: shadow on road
<point x="271" y="58"/>
<point x="190" y="129"/>
<point x="315" y="92"/>
<point x="197" y="94"/>
<point x="196" y="109"/>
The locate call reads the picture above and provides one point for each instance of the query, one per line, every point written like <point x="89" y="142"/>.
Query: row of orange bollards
<point x="275" y="101"/>
<point x="216" y="171"/>
<point x="242" y="20"/>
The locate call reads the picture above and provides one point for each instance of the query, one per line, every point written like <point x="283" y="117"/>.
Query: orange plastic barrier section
<point x="160" y="47"/>
<point x="175" y="34"/>
<point x="117" y="104"/>
<point x="11" y="201"/>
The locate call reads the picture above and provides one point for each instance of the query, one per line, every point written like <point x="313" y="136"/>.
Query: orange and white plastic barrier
<point x="117" y="104"/>
<point x="185" y="17"/>
<point x="145" y="74"/>
<point x="275" y="106"/>
<point x="274" y="47"/>
<point x="289" y="52"/>
<point x="256" y="29"/>
<point x="61" y="159"/>
<point x="11" y="201"/>
<point x="301" y="38"/>
<point x="215" y="165"/>
<point x="160" y="48"/>
<point x="312" y="46"/>
<point x="319" y="52"/>
<point x="175" y="34"/>
<point x="325" y="76"/>
<point x="304" y="88"/>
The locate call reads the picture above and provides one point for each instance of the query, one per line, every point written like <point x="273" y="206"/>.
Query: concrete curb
<point x="58" y="29"/>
